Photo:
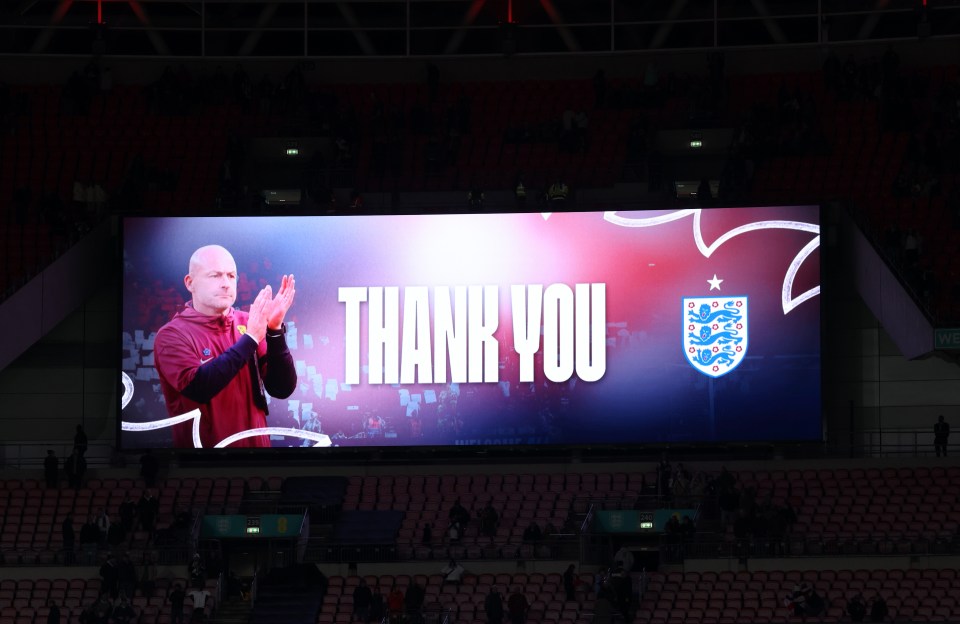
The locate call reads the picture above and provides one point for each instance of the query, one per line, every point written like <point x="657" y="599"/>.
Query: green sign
<point x="946" y="338"/>
<point x="267" y="525"/>
<point x="632" y="521"/>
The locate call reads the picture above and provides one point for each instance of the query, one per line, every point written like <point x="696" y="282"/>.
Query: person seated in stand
<point x="489" y="520"/>
<point x="878" y="609"/>
<point x="102" y="610"/>
<point x="455" y="532"/>
<point x="857" y="608"/>
<point x="796" y="601"/>
<point x="459" y="513"/>
<point x="413" y="603"/>
<point x="815" y="603"/>
<point x="395" y="603"/>
<point x="123" y="611"/>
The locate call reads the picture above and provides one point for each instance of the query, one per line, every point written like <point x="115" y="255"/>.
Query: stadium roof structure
<point x="432" y="28"/>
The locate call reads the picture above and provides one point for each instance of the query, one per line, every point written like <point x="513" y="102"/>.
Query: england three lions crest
<point x="715" y="333"/>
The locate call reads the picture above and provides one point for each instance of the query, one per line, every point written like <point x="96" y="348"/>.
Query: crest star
<point x="714" y="283"/>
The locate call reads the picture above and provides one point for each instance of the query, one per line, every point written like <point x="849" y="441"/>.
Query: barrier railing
<point x="30" y="455"/>
<point x="827" y="545"/>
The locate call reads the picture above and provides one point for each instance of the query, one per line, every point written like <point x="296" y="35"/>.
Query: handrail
<point x="30" y="455"/>
<point x="54" y="557"/>
<point x="822" y="545"/>
<point x="872" y="442"/>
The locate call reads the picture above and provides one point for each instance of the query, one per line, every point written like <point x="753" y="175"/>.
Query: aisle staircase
<point x="232" y="611"/>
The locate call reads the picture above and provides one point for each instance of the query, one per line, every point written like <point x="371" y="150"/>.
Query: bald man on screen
<point x="221" y="360"/>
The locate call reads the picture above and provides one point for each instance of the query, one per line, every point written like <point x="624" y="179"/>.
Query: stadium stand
<point x="874" y="135"/>
<point x="165" y="160"/>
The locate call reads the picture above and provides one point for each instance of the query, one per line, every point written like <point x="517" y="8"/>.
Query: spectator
<point x="89" y="539"/>
<point x="558" y="193"/>
<point x="517" y="607"/>
<point x="532" y="533"/>
<point x="128" y="513"/>
<point x="570" y="582"/>
<point x="664" y="472"/>
<point x="126" y="576"/>
<point x="53" y="616"/>
<point x="235" y="586"/>
<point x="857" y="608"/>
<point x="197" y="571"/>
<point x="116" y="536"/>
<point x="455" y="532"/>
<point x="103" y="525"/>
<point x="176" y="597"/>
<point x="878" y="609"/>
<point x="199" y="596"/>
<point x="475" y="197"/>
<point x="704" y="194"/>
<point x="458" y="512"/>
<point x="123" y="610"/>
<point x="728" y="500"/>
<point x="69" y="539"/>
<point x="147" y="508"/>
<point x="75" y="467"/>
<point x="51" y="469"/>
<point x="489" y="520"/>
<point x="80" y="441"/>
<point x="520" y="193"/>
<point x="110" y="575"/>
<point x="427" y="535"/>
<point x="149" y="468"/>
<point x="362" y="597"/>
<point x="493" y="607"/>
<point x="622" y="586"/>
<point x="102" y="610"/>
<point x="941" y="431"/>
<point x="742" y="529"/>
<point x="395" y="601"/>
<point x="148" y="575"/>
<point x="378" y="607"/>
<point x="413" y="602"/>
<point x="356" y="201"/>
<point x="672" y="529"/>
<point x="603" y="606"/>
<point x="796" y="601"/>
<point x="815" y="603"/>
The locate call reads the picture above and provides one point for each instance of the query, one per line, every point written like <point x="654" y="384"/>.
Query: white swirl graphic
<point x="787" y="300"/>
<point x="127" y="389"/>
<point x="320" y="439"/>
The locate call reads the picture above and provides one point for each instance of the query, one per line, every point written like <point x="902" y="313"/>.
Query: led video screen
<point x="573" y="328"/>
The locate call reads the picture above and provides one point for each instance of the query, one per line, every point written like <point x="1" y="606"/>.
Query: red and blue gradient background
<point x="649" y="394"/>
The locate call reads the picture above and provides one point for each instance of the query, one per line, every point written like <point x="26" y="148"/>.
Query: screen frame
<point x="446" y="453"/>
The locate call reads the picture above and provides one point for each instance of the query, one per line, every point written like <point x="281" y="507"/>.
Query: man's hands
<point x="268" y="311"/>
<point x="282" y="302"/>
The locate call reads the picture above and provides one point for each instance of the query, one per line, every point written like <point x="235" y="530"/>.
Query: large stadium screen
<point x="571" y="329"/>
